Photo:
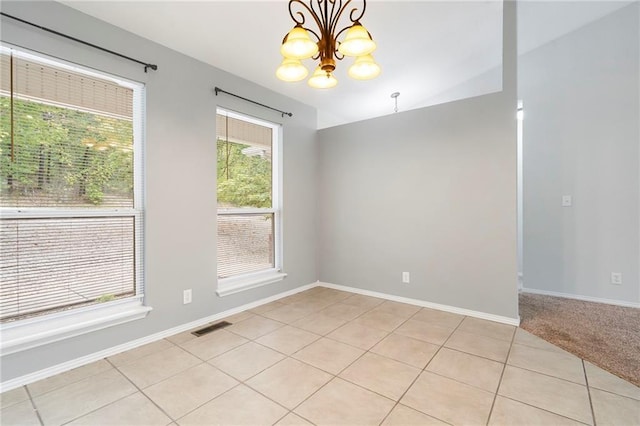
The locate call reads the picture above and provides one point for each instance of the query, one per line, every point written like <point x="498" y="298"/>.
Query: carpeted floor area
<point x="605" y="335"/>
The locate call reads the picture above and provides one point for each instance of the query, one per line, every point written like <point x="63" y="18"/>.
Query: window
<point x="248" y="173"/>
<point x="70" y="197"/>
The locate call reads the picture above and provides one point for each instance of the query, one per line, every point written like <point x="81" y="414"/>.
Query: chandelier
<point x="298" y="45"/>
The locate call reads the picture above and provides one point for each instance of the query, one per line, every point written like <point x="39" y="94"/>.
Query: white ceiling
<point x="427" y="49"/>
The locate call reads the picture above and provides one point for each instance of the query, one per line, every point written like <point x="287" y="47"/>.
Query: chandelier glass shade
<point x="291" y="70"/>
<point x="299" y="43"/>
<point x="364" y="68"/>
<point x="322" y="79"/>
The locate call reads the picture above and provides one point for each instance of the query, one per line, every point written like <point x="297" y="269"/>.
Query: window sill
<point x="234" y="285"/>
<point x="33" y="332"/>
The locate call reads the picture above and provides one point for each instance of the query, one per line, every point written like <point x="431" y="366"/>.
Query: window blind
<point x="70" y="186"/>
<point x="247" y="214"/>
<point x="245" y="243"/>
<point x="51" y="264"/>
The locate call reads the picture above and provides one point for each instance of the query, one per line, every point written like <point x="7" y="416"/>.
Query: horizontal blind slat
<point x="245" y="244"/>
<point x="52" y="262"/>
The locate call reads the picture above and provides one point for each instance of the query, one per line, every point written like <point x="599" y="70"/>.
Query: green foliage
<point x="62" y="156"/>
<point x="105" y="298"/>
<point x="243" y="181"/>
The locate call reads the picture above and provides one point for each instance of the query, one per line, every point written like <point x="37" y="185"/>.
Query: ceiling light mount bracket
<point x="395" y="95"/>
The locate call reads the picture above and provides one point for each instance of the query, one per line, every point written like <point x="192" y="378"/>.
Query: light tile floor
<point x="328" y="357"/>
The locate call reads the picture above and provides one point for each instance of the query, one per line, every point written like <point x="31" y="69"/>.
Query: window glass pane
<point x="244" y="164"/>
<point x="72" y="143"/>
<point x="67" y="161"/>
<point x="58" y="263"/>
<point x="245" y="243"/>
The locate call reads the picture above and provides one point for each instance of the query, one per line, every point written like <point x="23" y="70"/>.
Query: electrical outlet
<point x="186" y="297"/>
<point x="567" y="200"/>
<point x="406" y="277"/>
<point x="616" y="278"/>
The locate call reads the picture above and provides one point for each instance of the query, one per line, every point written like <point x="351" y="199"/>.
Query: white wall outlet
<point x="616" y="278"/>
<point x="406" y="277"/>
<point x="567" y="201"/>
<point x="186" y="297"/>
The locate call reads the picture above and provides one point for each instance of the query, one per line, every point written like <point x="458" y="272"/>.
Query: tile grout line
<point x="544" y="409"/>
<point x="290" y="356"/>
<point x="139" y="390"/>
<point x="210" y="400"/>
<point x="586" y="380"/>
<point x="424" y="369"/>
<point x="335" y="376"/>
<point x="71" y="383"/>
<point x="238" y="384"/>
<point x="33" y="405"/>
<point x="504" y="368"/>
<point x="243" y="382"/>
<point x="175" y="345"/>
<point x="615" y="393"/>
<point x="525" y="368"/>
<point x="547" y="374"/>
<point x="475" y="355"/>
<point x="66" y="384"/>
<point x="445" y="341"/>
<point x="287" y="356"/>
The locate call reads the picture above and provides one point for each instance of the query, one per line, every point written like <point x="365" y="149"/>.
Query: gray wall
<point x="431" y="192"/>
<point x="181" y="180"/>
<point x="581" y="138"/>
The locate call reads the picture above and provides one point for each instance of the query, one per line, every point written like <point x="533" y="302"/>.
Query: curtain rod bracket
<point x="86" y="43"/>
<point x="219" y="90"/>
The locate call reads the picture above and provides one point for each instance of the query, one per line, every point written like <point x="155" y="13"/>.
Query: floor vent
<point x="211" y="328"/>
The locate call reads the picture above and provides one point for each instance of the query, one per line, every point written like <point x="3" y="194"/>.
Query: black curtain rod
<point x="86" y="43"/>
<point x="217" y="89"/>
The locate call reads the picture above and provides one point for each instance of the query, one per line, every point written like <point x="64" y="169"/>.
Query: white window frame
<point x="28" y="333"/>
<point x="243" y="282"/>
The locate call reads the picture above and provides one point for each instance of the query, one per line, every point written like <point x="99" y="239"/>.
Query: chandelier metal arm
<point x="364" y="8"/>
<point x="336" y="18"/>
<point x="313" y="32"/>
<point x="320" y="13"/>
<point x="340" y="32"/>
<point x="317" y="14"/>
<point x="330" y="21"/>
<point x="353" y="19"/>
<point x="300" y="21"/>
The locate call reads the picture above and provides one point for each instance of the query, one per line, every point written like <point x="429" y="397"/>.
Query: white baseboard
<point x="579" y="297"/>
<point x="96" y="356"/>
<point x="425" y="304"/>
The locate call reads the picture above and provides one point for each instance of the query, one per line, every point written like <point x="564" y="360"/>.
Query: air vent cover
<point x="211" y="328"/>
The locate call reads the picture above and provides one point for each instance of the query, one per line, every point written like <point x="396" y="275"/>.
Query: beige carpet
<point x="605" y="335"/>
